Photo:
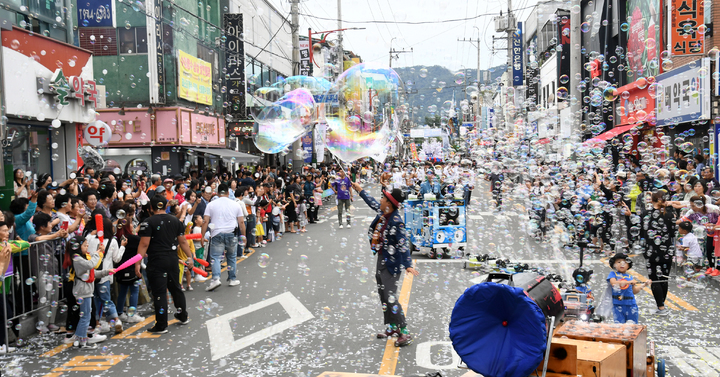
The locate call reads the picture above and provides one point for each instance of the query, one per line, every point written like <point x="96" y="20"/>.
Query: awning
<point x="228" y="154"/>
<point x="619" y="130"/>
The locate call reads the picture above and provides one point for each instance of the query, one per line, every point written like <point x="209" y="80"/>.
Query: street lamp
<point x="323" y="39"/>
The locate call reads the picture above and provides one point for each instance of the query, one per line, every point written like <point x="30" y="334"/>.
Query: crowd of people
<point x="607" y="201"/>
<point x="68" y="238"/>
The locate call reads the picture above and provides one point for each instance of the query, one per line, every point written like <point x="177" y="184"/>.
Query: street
<point x="308" y="305"/>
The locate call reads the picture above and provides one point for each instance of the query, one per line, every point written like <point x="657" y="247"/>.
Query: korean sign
<point x="95" y="13"/>
<point x="72" y="88"/>
<point x="97" y="133"/>
<point x="517" y="55"/>
<point x="685" y="94"/>
<point x="235" y="65"/>
<point x="686" y="16"/>
<point x="195" y="79"/>
<point x="305" y="63"/>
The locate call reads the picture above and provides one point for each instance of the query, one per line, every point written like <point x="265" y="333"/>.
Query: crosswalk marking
<point x="706" y="356"/>
<point x="678" y="358"/>
<point x="698" y="362"/>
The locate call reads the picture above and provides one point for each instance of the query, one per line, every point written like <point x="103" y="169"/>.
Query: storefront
<point x="49" y="93"/>
<point x="635" y="116"/>
<point x="166" y="141"/>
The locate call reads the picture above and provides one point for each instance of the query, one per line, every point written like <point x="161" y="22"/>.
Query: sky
<point x="433" y="43"/>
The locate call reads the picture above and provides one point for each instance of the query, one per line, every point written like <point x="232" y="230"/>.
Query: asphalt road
<point x="308" y="304"/>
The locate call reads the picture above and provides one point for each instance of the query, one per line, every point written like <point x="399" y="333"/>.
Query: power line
<point x="412" y="22"/>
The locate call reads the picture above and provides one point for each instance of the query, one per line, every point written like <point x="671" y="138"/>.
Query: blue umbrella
<point x="498" y="331"/>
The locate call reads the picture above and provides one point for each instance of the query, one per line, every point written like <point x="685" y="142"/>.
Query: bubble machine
<point x="503" y="326"/>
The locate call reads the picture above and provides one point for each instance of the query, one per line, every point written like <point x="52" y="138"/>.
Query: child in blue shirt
<point x="624" y="289"/>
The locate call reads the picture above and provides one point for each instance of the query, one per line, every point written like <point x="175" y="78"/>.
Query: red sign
<point x="634" y="104"/>
<point x="687" y="27"/>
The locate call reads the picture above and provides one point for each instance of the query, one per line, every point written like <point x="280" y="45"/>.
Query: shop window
<point x="47" y="8"/>
<point x="102" y="41"/>
<point x="133" y="40"/>
<point x="137" y="166"/>
<point x="111" y="165"/>
<point x="29" y="148"/>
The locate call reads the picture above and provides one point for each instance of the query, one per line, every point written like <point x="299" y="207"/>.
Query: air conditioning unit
<point x="501" y="24"/>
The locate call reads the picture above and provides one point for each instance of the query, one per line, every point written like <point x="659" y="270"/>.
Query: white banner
<point x="319" y="143"/>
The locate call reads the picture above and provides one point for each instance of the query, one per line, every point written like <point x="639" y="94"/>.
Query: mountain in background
<point x="424" y="92"/>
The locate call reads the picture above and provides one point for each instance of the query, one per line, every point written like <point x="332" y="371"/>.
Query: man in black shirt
<point x="160" y="236"/>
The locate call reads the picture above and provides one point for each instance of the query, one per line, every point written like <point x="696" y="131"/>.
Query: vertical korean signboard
<point x="687" y="29"/>
<point x="235" y="66"/>
<point x="305" y="64"/>
<point x="517" y="55"/>
<point x="156" y="59"/>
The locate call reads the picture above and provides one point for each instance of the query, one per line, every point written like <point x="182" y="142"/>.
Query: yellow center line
<point x="677" y="300"/>
<point x="391" y="354"/>
<point x="127" y="334"/>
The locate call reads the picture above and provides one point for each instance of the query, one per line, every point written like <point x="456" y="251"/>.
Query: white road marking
<point x="529" y="261"/>
<point x="423" y="356"/>
<point x="707" y="357"/>
<point x="678" y="357"/>
<point x="222" y="341"/>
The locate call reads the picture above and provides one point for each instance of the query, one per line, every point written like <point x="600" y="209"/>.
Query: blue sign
<point x="326" y="98"/>
<point x="517" y="56"/>
<point x="94" y="13"/>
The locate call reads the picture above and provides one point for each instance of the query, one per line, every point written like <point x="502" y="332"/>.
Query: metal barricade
<point x="32" y="287"/>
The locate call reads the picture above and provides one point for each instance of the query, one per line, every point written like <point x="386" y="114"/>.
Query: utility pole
<point x="341" y="52"/>
<point x="575" y="67"/>
<point x="395" y="54"/>
<point x="476" y="43"/>
<point x="295" y="28"/>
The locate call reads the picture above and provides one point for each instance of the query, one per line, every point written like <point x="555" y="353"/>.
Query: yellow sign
<point x="195" y="79"/>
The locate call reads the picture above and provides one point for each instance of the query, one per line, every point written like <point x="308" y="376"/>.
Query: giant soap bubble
<point x="361" y="113"/>
<point x="283" y="122"/>
<point x="291" y="116"/>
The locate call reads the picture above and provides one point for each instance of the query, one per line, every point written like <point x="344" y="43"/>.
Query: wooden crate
<point x="633" y="337"/>
<point x="597" y="359"/>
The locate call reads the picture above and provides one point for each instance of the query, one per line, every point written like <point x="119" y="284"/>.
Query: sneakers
<point x="213" y="285"/>
<point x="96" y="338"/>
<point x="388" y="333"/>
<point x="662" y="312"/>
<point x="53" y="327"/>
<point x="403" y="340"/>
<point x="234" y="282"/>
<point x="348" y="225"/>
<point x="155" y="330"/>
<point x="69" y="339"/>
<point x="85" y="345"/>
<point x="43" y="330"/>
<point x="181" y="322"/>
<point x="715" y="272"/>
<point x="340" y="226"/>
<point x="6" y="349"/>
<point x="118" y="327"/>
<point x="123" y="317"/>
<point x="709" y="271"/>
<point x="199" y="279"/>
<point x="134" y="319"/>
<point x="103" y="328"/>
